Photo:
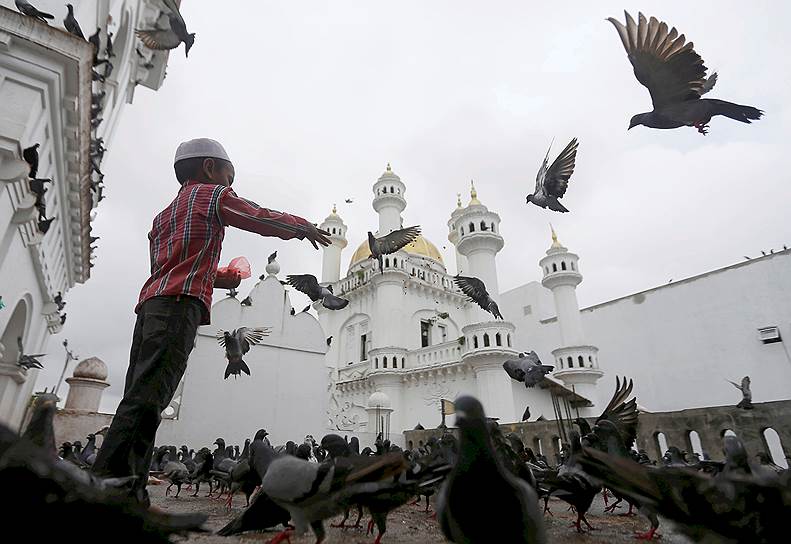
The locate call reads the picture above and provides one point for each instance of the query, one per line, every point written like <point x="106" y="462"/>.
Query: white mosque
<point x="408" y="339"/>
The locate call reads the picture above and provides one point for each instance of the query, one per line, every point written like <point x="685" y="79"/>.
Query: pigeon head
<point x="188" y="42"/>
<point x="469" y="411"/>
<point x="530" y="197"/>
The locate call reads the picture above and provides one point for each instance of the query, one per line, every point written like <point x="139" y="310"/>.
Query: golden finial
<point x="334" y="209"/>
<point x="458" y="200"/>
<point x="388" y="167"/>
<point x="473" y="194"/>
<point x="555" y="242"/>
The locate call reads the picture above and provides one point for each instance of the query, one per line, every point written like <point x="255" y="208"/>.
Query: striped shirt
<point x="186" y="239"/>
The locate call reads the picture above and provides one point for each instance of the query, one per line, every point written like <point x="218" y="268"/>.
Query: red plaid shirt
<point x="186" y="239"/>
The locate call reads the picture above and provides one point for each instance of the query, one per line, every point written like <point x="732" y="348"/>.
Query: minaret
<point x="576" y="362"/>
<point x="389" y="201"/>
<point x="478" y="240"/>
<point x="454" y="235"/>
<point x="331" y="259"/>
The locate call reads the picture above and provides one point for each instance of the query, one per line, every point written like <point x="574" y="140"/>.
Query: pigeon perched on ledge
<point x="172" y="37"/>
<point x="675" y="77"/>
<point x="26" y="8"/>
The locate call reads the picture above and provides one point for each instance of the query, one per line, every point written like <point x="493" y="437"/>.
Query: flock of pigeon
<point x="296" y="487"/>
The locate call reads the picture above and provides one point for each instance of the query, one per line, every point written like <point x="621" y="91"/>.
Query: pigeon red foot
<point x="648" y="535"/>
<point x="702" y="127"/>
<point x="611" y="509"/>
<point x="629" y="513"/>
<point x="229" y="502"/>
<point x="284" y="535"/>
<point x="605" y="496"/>
<point x="577" y="524"/>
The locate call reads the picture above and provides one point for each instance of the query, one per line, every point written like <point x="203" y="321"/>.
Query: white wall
<point x="286" y="393"/>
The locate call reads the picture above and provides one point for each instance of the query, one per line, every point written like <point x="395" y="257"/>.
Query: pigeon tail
<point x="737" y="112"/>
<point x="331" y="302"/>
<point x="236" y="368"/>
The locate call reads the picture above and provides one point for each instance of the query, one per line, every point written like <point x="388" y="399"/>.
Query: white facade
<point x="286" y="393"/>
<point x="46" y="90"/>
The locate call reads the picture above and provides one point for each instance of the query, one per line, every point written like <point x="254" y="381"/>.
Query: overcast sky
<point x="312" y="99"/>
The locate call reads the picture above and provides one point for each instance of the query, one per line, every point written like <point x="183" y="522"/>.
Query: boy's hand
<point x="315" y="235"/>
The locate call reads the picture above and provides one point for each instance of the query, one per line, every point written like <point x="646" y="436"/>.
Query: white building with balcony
<point x="51" y="94"/>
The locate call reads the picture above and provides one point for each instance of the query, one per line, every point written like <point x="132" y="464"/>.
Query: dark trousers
<point x="164" y="336"/>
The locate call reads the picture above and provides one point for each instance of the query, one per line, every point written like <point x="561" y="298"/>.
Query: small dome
<point x="92" y="368"/>
<point x="378" y="400"/>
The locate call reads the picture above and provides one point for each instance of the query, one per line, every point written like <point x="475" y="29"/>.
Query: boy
<point x="185" y="243"/>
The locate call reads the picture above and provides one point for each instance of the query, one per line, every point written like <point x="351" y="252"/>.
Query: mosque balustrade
<point x="489" y="337"/>
<point x="575" y="357"/>
<point x="387" y="359"/>
<point x="432" y="355"/>
<point x="22" y="200"/>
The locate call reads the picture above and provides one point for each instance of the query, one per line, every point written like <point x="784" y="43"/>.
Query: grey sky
<point x="311" y="99"/>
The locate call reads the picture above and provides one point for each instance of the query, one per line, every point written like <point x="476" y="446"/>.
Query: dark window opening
<point x="425" y="333"/>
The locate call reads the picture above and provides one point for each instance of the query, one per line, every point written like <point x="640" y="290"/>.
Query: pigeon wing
<point x="622" y="413"/>
<point x="305" y="283"/>
<point x="542" y="174"/>
<point x="557" y="176"/>
<point x="255" y="335"/>
<point x="220" y="337"/>
<point x="663" y="61"/>
<point x="474" y="289"/>
<point x="159" y="39"/>
<point x="397" y="239"/>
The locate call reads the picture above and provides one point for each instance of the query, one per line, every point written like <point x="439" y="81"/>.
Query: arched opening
<point x="498" y="340"/>
<point x="483" y="225"/>
<point x="554" y="267"/>
<point x="538" y="446"/>
<point x="486" y="339"/>
<point x="15" y="329"/>
<point x="472" y="227"/>
<point x="384" y="362"/>
<point x="590" y="361"/>
<point x="493" y="227"/>
<point x="560" y="363"/>
<point x="403" y="362"/>
<point x="387" y="263"/>
<point x="508" y="339"/>
<point x="462" y="231"/>
<point x="694" y="443"/>
<point x="475" y="341"/>
<point x="661" y="443"/>
<point x="572" y="265"/>
<point x="395" y="262"/>
<point x="774" y="447"/>
<point x="570" y="362"/>
<point x="376" y="362"/>
<point x="563" y="265"/>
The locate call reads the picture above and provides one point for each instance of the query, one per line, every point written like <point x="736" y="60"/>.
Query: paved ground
<point x="410" y="524"/>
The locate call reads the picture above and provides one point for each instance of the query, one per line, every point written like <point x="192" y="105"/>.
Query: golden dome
<point x="420" y="246"/>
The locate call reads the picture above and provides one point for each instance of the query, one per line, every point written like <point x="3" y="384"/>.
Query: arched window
<point x="376" y="362"/>
<point x="472" y="227"/>
<point x="392" y="189"/>
<point x="554" y="267"/>
<point x="694" y="442"/>
<point x="387" y="263"/>
<point x="572" y="265"/>
<point x="538" y="446"/>
<point x="498" y="340"/>
<point x="475" y="341"/>
<point x="403" y="362"/>
<point x="493" y="227"/>
<point x="774" y="447"/>
<point x="563" y="265"/>
<point x="508" y="338"/>
<point x="395" y="262"/>
<point x="483" y="225"/>
<point x="570" y="362"/>
<point x="580" y="361"/>
<point x="590" y="361"/>
<point x="661" y="443"/>
<point x="384" y="362"/>
<point x="560" y="362"/>
<point x="462" y="231"/>
<point x="486" y="339"/>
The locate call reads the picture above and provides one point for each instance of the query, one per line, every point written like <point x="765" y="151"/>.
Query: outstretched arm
<point x="247" y="215"/>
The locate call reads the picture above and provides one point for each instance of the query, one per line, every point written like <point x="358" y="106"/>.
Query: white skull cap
<point x="201" y="147"/>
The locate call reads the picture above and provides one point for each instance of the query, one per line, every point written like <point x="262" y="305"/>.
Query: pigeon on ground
<point x="506" y="500"/>
<point x="308" y="284"/>
<point x="172" y="37"/>
<point x="313" y="492"/>
<point x="63" y="495"/>
<point x="71" y="23"/>
<point x="476" y="292"/>
<point x="527" y="368"/>
<point x="675" y="77"/>
<point x="391" y="243"/>
<point x="552" y="182"/>
<point x="733" y="506"/>
<point x="237" y="343"/>
<point x="30" y="155"/>
<point x="174" y="471"/>
<point x="27" y="361"/>
<point x="26" y="8"/>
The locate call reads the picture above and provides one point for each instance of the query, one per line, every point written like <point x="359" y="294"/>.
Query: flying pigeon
<point x="237" y="343"/>
<point x="476" y="292"/>
<point x="26" y="8"/>
<point x="675" y="77"/>
<point x="27" y="361"/>
<point x="30" y="155"/>
<point x="552" y="182"/>
<point x="349" y="200"/>
<point x="479" y="472"/>
<point x="308" y="284"/>
<point x="527" y="368"/>
<point x="71" y="23"/>
<point x="271" y="258"/>
<point x="329" y="340"/>
<point x="172" y="37"/>
<point x="390" y="243"/>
